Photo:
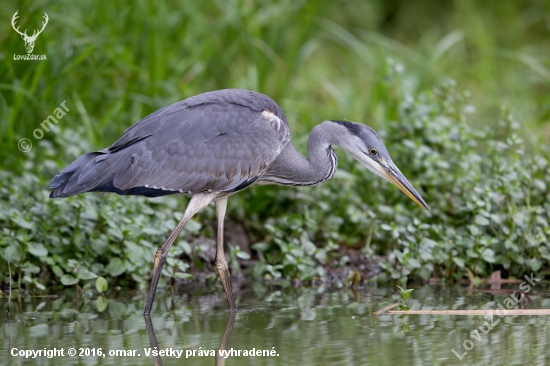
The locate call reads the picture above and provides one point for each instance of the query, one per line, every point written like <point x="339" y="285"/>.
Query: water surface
<point x="302" y="326"/>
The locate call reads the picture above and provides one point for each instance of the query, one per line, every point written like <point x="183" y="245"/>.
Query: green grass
<point x="387" y="64"/>
<point x="115" y="63"/>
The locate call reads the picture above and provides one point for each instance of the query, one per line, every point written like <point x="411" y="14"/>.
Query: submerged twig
<point x="9" y="277"/>
<point x="384" y="309"/>
<point x="499" y="312"/>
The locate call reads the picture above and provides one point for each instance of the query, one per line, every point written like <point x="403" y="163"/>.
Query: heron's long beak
<point x="388" y="171"/>
<point x="393" y="175"/>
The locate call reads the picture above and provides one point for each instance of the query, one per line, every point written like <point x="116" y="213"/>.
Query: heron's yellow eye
<point x="373" y="151"/>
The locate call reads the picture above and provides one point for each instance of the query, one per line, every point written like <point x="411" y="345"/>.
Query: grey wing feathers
<point x="219" y="141"/>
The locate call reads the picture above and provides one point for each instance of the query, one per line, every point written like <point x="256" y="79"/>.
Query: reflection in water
<point x="9" y="328"/>
<point x="306" y="326"/>
<point x="224" y="343"/>
<point x="157" y="360"/>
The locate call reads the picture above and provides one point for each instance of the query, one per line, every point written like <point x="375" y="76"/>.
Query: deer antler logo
<point x="29" y="40"/>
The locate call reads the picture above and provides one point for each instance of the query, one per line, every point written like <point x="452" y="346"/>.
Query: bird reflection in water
<point x="224" y="343"/>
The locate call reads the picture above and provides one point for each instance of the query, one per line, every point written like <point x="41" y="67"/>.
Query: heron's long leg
<point x="197" y="202"/>
<point x="221" y="263"/>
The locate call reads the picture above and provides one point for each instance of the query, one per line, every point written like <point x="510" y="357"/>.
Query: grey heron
<point x="213" y="145"/>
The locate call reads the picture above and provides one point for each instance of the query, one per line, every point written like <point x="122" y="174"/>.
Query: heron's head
<point x="366" y="146"/>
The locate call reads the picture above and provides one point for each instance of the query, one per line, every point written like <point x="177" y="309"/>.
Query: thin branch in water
<point x="384" y="309"/>
<point x="9" y="277"/>
<point x="499" y="312"/>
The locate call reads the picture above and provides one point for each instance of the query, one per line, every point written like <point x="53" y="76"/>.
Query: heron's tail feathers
<point x="104" y="171"/>
<point x="70" y="182"/>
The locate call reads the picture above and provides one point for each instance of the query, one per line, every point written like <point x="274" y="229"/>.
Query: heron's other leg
<point x="221" y="263"/>
<point x="197" y="202"/>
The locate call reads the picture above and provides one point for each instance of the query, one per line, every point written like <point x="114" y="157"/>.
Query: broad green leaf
<point x="101" y="284"/>
<point x="30" y="268"/>
<point x="37" y="249"/>
<point x="84" y="274"/>
<point x="406" y="294"/>
<point x="116" y="267"/>
<point x="489" y="255"/>
<point x="481" y="221"/>
<point x="459" y="262"/>
<point x="260" y="246"/>
<point x="243" y="255"/>
<point x="183" y="275"/>
<point x="58" y="271"/>
<point x="14" y="253"/>
<point x="68" y="280"/>
<point x="18" y="219"/>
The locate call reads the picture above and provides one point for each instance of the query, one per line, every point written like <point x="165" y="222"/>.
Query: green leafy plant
<point x="405" y="294"/>
<point x="484" y="173"/>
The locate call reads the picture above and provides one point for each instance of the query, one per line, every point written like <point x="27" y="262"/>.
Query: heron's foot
<point x="160" y="258"/>
<point x="223" y="272"/>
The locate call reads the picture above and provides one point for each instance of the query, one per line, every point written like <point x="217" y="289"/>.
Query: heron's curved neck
<point x="292" y="168"/>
